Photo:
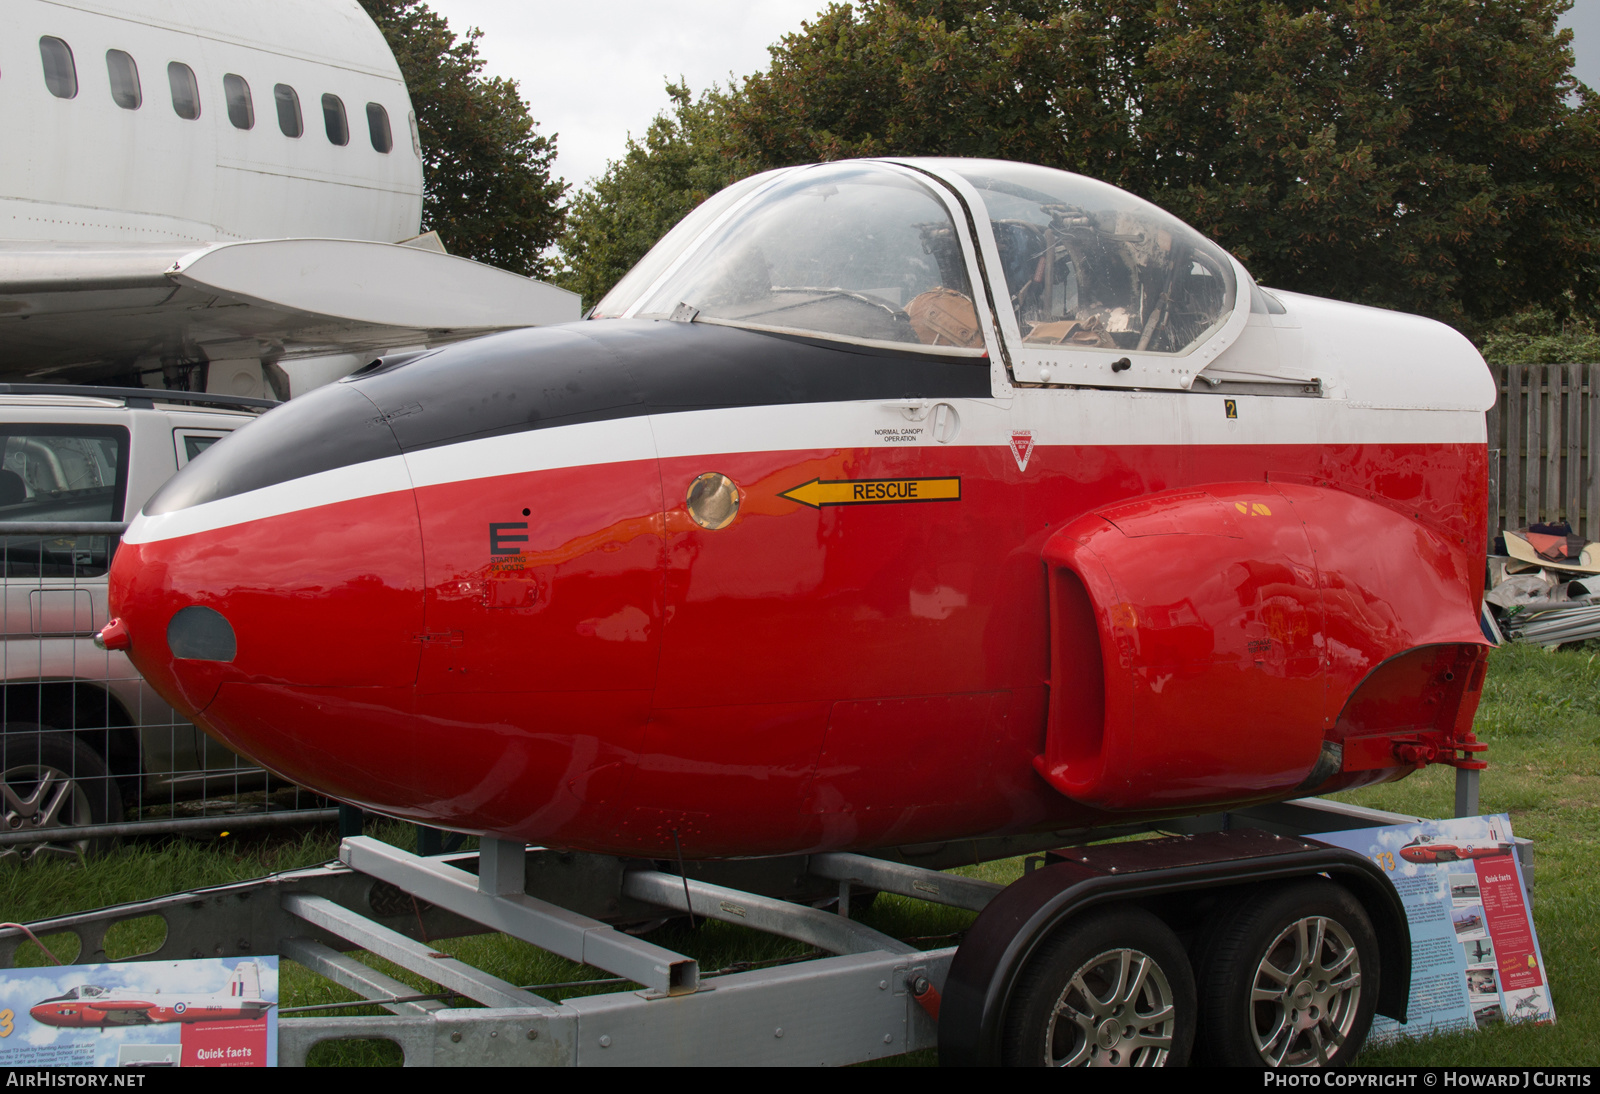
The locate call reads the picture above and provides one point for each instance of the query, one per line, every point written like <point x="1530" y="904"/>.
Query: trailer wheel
<point x="51" y="779"/>
<point x="1291" y="980"/>
<point x="1112" y="989"/>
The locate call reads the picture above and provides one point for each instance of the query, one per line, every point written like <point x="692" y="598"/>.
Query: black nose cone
<point x="331" y="427"/>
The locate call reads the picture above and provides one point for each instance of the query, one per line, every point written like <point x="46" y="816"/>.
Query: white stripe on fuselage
<point x="1055" y="417"/>
<point x="1065" y="416"/>
<point x="619" y="440"/>
<point x="360" y="480"/>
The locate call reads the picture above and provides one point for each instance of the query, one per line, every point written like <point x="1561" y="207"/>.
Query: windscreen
<point x="639" y="279"/>
<point x="857" y="250"/>
<point x="1089" y="265"/>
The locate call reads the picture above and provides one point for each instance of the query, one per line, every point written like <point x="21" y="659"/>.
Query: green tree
<point x="488" y="187"/>
<point x="1536" y="337"/>
<point x="1432" y="155"/>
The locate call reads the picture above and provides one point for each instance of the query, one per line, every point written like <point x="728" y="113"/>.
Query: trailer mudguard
<point x="1205" y="641"/>
<point x="1170" y="877"/>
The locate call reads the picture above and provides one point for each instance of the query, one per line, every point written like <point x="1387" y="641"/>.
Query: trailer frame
<point x="872" y="996"/>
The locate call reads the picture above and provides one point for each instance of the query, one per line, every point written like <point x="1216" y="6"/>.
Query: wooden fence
<point x="1544" y="437"/>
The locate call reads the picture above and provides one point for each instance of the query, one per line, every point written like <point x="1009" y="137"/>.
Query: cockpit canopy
<point x="1090" y="265"/>
<point x="853" y="249"/>
<point x="881" y="252"/>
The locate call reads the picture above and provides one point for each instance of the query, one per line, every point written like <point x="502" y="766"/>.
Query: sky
<point x="595" y="72"/>
<point x="1584" y="19"/>
<point x="592" y="72"/>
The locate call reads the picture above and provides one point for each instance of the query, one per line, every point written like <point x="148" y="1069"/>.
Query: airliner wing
<point x="86" y="311"/>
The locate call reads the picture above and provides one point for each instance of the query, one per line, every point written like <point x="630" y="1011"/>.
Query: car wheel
<point x="1111" y="989"/>
<point x="1290" y="981"/>
<point x="51" y="779"/>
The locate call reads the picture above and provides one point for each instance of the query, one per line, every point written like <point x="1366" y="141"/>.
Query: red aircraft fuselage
<point x="88" y="1006"/>
<point x="473" y="589"/>
<point x="138" y="1011"/>
<point x="1452" y="852"/>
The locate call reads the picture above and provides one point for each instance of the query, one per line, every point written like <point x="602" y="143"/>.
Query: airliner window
<point x="60" y="74"/>
<point x="334" y="121"/>
<point x="241" y="110"/>
<point x="1091" y="266"/>
<point x="60" y="473"/>
<point x="125" y="91"/>
<point x="185" y="90"/>
<point x="857" y="250"/>
<point x="288" y="110"/>
<point x="378" y="127"/>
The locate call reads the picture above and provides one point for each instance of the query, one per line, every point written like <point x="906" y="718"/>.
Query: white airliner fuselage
<point x="175" y="174"/>
<point x="130" y="154"/>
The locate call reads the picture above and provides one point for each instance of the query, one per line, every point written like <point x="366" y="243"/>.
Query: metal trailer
<point x="873" y="997"/>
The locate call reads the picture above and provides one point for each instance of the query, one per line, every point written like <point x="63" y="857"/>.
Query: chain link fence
<point x="88" y="751"/>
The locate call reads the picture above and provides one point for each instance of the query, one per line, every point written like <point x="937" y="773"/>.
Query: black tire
<point x="51" y="779"/>
<point x="1290" y="979"/>
<point x="1110" y="989"/>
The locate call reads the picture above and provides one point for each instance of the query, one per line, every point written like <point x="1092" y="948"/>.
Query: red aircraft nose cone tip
<point x="114" y="636"/>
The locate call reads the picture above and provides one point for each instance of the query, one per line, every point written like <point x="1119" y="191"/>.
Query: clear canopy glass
<point x="856" y="250"/>
<point x="1091" y="266"/>
<point x="638" y="280"/>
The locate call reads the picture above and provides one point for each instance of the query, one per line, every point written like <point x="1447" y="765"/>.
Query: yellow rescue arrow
<point x="820" y="492"/>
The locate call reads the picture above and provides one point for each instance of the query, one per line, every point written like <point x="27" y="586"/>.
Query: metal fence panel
<point x="84" y="741"/>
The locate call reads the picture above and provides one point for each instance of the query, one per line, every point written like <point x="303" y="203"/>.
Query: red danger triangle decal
<point x="1022" y="447"/>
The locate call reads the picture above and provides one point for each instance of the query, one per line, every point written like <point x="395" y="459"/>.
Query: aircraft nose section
<point x="288" y="554"/>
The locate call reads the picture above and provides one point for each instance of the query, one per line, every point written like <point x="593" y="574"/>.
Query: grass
<point x="1540" y="716"/>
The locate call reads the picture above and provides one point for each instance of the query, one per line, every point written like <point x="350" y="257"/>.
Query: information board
<point x="1474" y="953"/>
<point x="204" y="1013"/>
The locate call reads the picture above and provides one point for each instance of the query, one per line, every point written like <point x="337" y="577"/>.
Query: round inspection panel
<point x="198" y="633"/>
<point x="713" y="501"/>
